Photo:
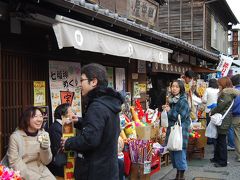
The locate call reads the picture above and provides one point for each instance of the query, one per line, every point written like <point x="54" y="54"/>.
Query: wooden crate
<point x="195" y="148"/>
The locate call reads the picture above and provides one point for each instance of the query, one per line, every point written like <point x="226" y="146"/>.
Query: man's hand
<point x="74" y="118"/>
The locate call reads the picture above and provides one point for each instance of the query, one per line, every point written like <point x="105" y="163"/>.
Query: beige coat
<point x="32" y="165"/>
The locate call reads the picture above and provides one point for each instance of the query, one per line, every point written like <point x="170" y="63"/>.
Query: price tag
<point x="147" y="167"/>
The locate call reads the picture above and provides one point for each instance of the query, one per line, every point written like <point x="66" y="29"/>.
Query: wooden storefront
<point x="24" y="63"/>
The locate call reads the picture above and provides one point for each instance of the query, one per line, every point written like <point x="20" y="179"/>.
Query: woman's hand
<point x="44" y="140"/>
<point x="166" y="107"/>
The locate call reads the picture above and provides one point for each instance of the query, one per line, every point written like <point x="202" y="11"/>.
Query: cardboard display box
<point x="143" y="132"/>
<point x="137" y="172"/>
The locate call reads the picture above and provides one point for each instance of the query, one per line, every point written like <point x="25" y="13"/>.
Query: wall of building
<point x="183" y="19"/>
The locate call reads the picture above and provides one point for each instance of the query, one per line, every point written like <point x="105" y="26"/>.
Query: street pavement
<point x="203" y="168"/>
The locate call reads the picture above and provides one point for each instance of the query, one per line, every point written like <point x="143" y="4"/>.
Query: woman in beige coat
<point x="29" y="147"/>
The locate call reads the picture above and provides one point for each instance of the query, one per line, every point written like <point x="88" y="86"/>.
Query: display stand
<point x="196" y="147"/>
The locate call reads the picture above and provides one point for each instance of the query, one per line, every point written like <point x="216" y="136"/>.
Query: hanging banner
<point x="64" y="83"/>
<point x="120" y="80"/>
<point x="110" y="77"/>
<point x="224" y="65"/>
<point x="39" y="91"/>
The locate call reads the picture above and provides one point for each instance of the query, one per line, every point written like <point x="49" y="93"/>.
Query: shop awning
<point x="85" y="37"/>
<point x="202" y="70"/>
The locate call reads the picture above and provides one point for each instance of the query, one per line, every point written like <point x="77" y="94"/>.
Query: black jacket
<point x="98" y="139"/>
<point x="55" y="134"/>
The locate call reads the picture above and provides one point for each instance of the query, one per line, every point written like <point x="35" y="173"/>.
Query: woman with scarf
<point x="178" y="104"/>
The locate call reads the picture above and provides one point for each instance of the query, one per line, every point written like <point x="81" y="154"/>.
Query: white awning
<point x="85" y="37"/>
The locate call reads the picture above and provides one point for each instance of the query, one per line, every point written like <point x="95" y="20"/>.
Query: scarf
<point x="174" y="99"/>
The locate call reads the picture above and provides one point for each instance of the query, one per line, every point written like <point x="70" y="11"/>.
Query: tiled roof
<point x="162" y="36"/>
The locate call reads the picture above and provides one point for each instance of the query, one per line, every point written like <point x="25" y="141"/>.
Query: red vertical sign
<point x="66" y="97"/>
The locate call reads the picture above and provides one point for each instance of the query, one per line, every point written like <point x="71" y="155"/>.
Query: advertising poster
<point x="39" y="91"/>
<point x="64" y="83"/>
<point x="142" y="88"/>
<point x="136" y="90"/>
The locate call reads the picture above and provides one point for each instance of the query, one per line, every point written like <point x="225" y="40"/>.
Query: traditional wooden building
<point x="203" y="23"/>
<point x="30" y="39"/>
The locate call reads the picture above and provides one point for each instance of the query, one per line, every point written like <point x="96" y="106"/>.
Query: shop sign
<point x="235" y="44"/>
<point x="170" y="68"/>
<point x="66" y="97"/>
<point x="141" y="66"/>
<point x="224" y="65"/>
<point x="143" y="10"/>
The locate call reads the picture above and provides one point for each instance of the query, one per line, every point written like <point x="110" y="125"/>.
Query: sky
<point x="235" y="7"/>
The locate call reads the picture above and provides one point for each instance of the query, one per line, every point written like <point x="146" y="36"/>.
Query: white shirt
<point x="210" y="97"/>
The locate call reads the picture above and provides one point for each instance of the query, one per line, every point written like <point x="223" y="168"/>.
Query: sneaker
<point x="229" y="148"/>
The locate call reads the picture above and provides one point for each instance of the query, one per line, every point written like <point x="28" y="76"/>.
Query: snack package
<point x="68" y="131"/>
<point x="42" y="137"/>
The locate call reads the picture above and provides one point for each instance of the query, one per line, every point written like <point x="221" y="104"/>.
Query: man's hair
<point x="24" y="120"/>
<point x="97" y="71"/>
<point x="213" y="83"/>
<point x="61" y="110"/>
<point x="235" y="79"/>
<point x="189" y="74"/>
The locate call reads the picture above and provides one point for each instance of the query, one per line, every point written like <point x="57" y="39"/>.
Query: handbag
<point x="5" y="161"/>
<point x="211" y="131"/>
<point x="60" y="159"/>
<point x="175" y="139"/>
<point x="217" y="118"/>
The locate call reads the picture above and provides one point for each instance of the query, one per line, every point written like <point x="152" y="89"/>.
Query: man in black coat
<point x="99" y="128"/>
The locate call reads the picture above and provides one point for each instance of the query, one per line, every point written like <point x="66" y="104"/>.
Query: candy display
<point x="9" y="174"/>
<point x="194" y="134"/>
<point x="140" y="150"/>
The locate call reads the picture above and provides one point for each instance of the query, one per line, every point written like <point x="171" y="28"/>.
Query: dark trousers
<point x="220" y="151"/>
<point x="121" y="169"/>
